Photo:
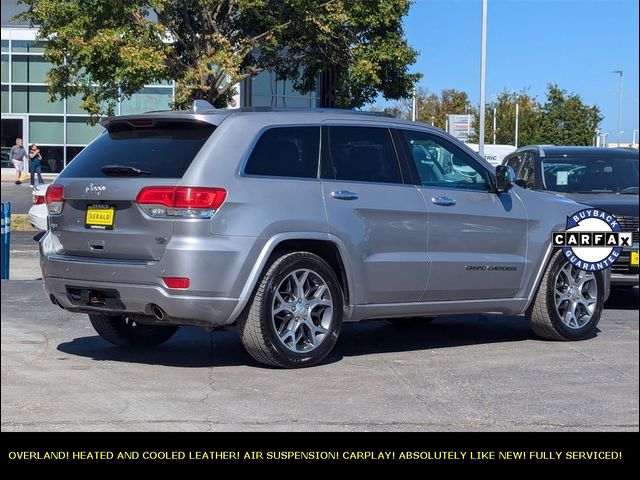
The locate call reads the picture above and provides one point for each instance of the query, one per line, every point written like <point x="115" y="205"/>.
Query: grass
<point x="20" y="223"/>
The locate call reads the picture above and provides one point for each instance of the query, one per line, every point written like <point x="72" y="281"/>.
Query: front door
<point x="380" y="220"/>
<point x="12" y="127"/>
<point x="477" y="242"/>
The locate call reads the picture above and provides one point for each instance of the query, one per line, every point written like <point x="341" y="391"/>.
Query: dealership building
<point x="60" y="128"/>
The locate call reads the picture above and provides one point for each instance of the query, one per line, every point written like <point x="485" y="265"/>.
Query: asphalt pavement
<point x="470" y="372"/>
<point x="20" y="196"/>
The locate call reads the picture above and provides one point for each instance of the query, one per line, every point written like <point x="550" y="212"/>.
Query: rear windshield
<point x="590" y="175"/>
<point x="164" y="150"/>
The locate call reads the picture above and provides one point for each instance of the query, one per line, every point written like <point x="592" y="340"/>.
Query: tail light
<point x="186" y="202"/>
<point x="54" y="198"/>
<point x="176" y="282"/>
<point x="38" y="199"/>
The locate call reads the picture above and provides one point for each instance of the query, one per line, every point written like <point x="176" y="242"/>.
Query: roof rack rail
<point x="200" y="106"/>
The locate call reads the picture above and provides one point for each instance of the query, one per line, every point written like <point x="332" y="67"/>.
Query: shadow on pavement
<point x="623" y="299"/>
<point x="192" y="348"/>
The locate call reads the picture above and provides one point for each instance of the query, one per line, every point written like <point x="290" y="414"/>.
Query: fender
<point x="266" y="252"/>
<point x="549" y="251"/>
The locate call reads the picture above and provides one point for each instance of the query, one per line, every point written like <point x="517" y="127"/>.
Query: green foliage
<point x="432" y="108"/>
<point x="108" y="49"/>
<point x="566" y="120"/>
<point x="562" y="120"/>
<point x="505" y="108"/>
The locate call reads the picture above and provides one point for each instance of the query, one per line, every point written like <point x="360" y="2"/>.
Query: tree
<point x="505" y="107"/>
<point x="104" y="50"/>
<point x="566" y="119"/>
<point x="433" y="108"/>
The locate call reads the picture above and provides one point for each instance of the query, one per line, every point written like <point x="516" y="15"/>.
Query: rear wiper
<point x="123" y="170"/>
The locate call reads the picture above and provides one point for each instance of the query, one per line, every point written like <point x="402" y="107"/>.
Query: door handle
<point x="444" y="201"/>
<point x="344" y="195"/>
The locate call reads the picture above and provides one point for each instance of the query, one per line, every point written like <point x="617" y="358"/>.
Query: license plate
<point x="99" y="217"/>
<point x="633" y="261"/>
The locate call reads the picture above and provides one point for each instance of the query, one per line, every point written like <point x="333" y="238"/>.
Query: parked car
<point x="38" y="211"/>
<point x="5" y="161"/>
<point x="605" y="178"/>
<point x="283" y="224"/>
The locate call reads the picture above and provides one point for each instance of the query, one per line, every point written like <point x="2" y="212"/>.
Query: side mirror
<point x="505" y="178"/>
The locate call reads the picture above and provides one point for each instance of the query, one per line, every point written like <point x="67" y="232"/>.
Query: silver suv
<point x="284" y="224"/>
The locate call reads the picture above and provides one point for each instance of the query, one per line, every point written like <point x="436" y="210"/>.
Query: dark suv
<point x="605" y="178"/>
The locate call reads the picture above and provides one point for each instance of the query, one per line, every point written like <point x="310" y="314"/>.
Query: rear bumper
<point x="181" y="309"/>
<point x="218" y="269"/>
<point x="38" y="216"/>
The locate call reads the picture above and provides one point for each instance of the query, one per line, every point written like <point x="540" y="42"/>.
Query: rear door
<point x="477" y="240"/>
<point x="380" y="220"/>
<point x="100" y="217"/>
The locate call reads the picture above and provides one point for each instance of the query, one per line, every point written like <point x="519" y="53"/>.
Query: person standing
<point x="17" y="154"/>
<point x="35" y="164"/>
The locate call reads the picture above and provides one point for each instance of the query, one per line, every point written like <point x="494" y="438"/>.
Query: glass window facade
<point x="267" y="91"/>
<point x="59" y="128"/>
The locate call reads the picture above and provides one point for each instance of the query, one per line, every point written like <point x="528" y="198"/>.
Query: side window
<point x="527" y="173"/>
<point x="441" y="164"/>
<point x="286" y="152"/>
<point x="513" y="162"/>
<point x="363" y="154"/>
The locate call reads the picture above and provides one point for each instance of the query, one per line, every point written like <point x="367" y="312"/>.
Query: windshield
<point x="590" y="175"/>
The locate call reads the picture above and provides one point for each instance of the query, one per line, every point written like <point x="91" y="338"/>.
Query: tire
<point x="279" y="329"/>
<point x="410" y="321"/>
<point x="120" y="330"/>
<point x="553" y="323"/>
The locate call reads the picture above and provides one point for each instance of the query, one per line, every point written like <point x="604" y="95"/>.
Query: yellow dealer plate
<point x="634" y="259"/>
<point x="99" y="217"/>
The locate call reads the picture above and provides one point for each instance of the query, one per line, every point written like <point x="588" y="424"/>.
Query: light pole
<point x="517" y="120"/>
<point x="604" y="140"/>
<point x="634" y="137"/>
<point x="466" y="112"/>
<point x="619" y="72"/>
<point x="483" y="75"/>
<point x="413" y="109"/>
<point x="494" y="125"/>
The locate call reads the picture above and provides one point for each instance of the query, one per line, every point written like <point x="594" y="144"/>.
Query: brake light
<point x="54" y="198"/>
<point x="191" y="202"/>
<point x="176" y="282"/>
<point x="38" y="199"/>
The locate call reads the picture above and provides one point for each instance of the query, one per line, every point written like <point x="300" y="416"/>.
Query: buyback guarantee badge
<point x="593" y="239"/>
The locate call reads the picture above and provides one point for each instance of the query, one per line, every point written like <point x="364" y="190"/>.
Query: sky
<point x="530" y="43"/>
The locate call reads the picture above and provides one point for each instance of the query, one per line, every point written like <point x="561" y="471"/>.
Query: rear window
<point x="163" y="150"/>
<point x="286" y="152"/>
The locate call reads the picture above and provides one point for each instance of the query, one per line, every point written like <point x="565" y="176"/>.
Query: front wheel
<point x="295" y="314"/>
<point x="569" y="301"/>
<point x="123" y="331"/>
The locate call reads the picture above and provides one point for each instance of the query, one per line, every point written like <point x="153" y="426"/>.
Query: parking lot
<point x="483" y="372"/>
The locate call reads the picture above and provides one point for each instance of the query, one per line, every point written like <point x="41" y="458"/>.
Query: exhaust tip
<point x="157" y="312"/>
<point x="54" y="300"/>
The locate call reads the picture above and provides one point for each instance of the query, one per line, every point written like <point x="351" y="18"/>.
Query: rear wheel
<point x="123" y="331"/>
<point x="569" y="302"/>
<point x="295" y="314"/>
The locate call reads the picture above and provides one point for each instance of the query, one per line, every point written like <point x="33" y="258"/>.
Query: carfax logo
<point x="593" y="239"/>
